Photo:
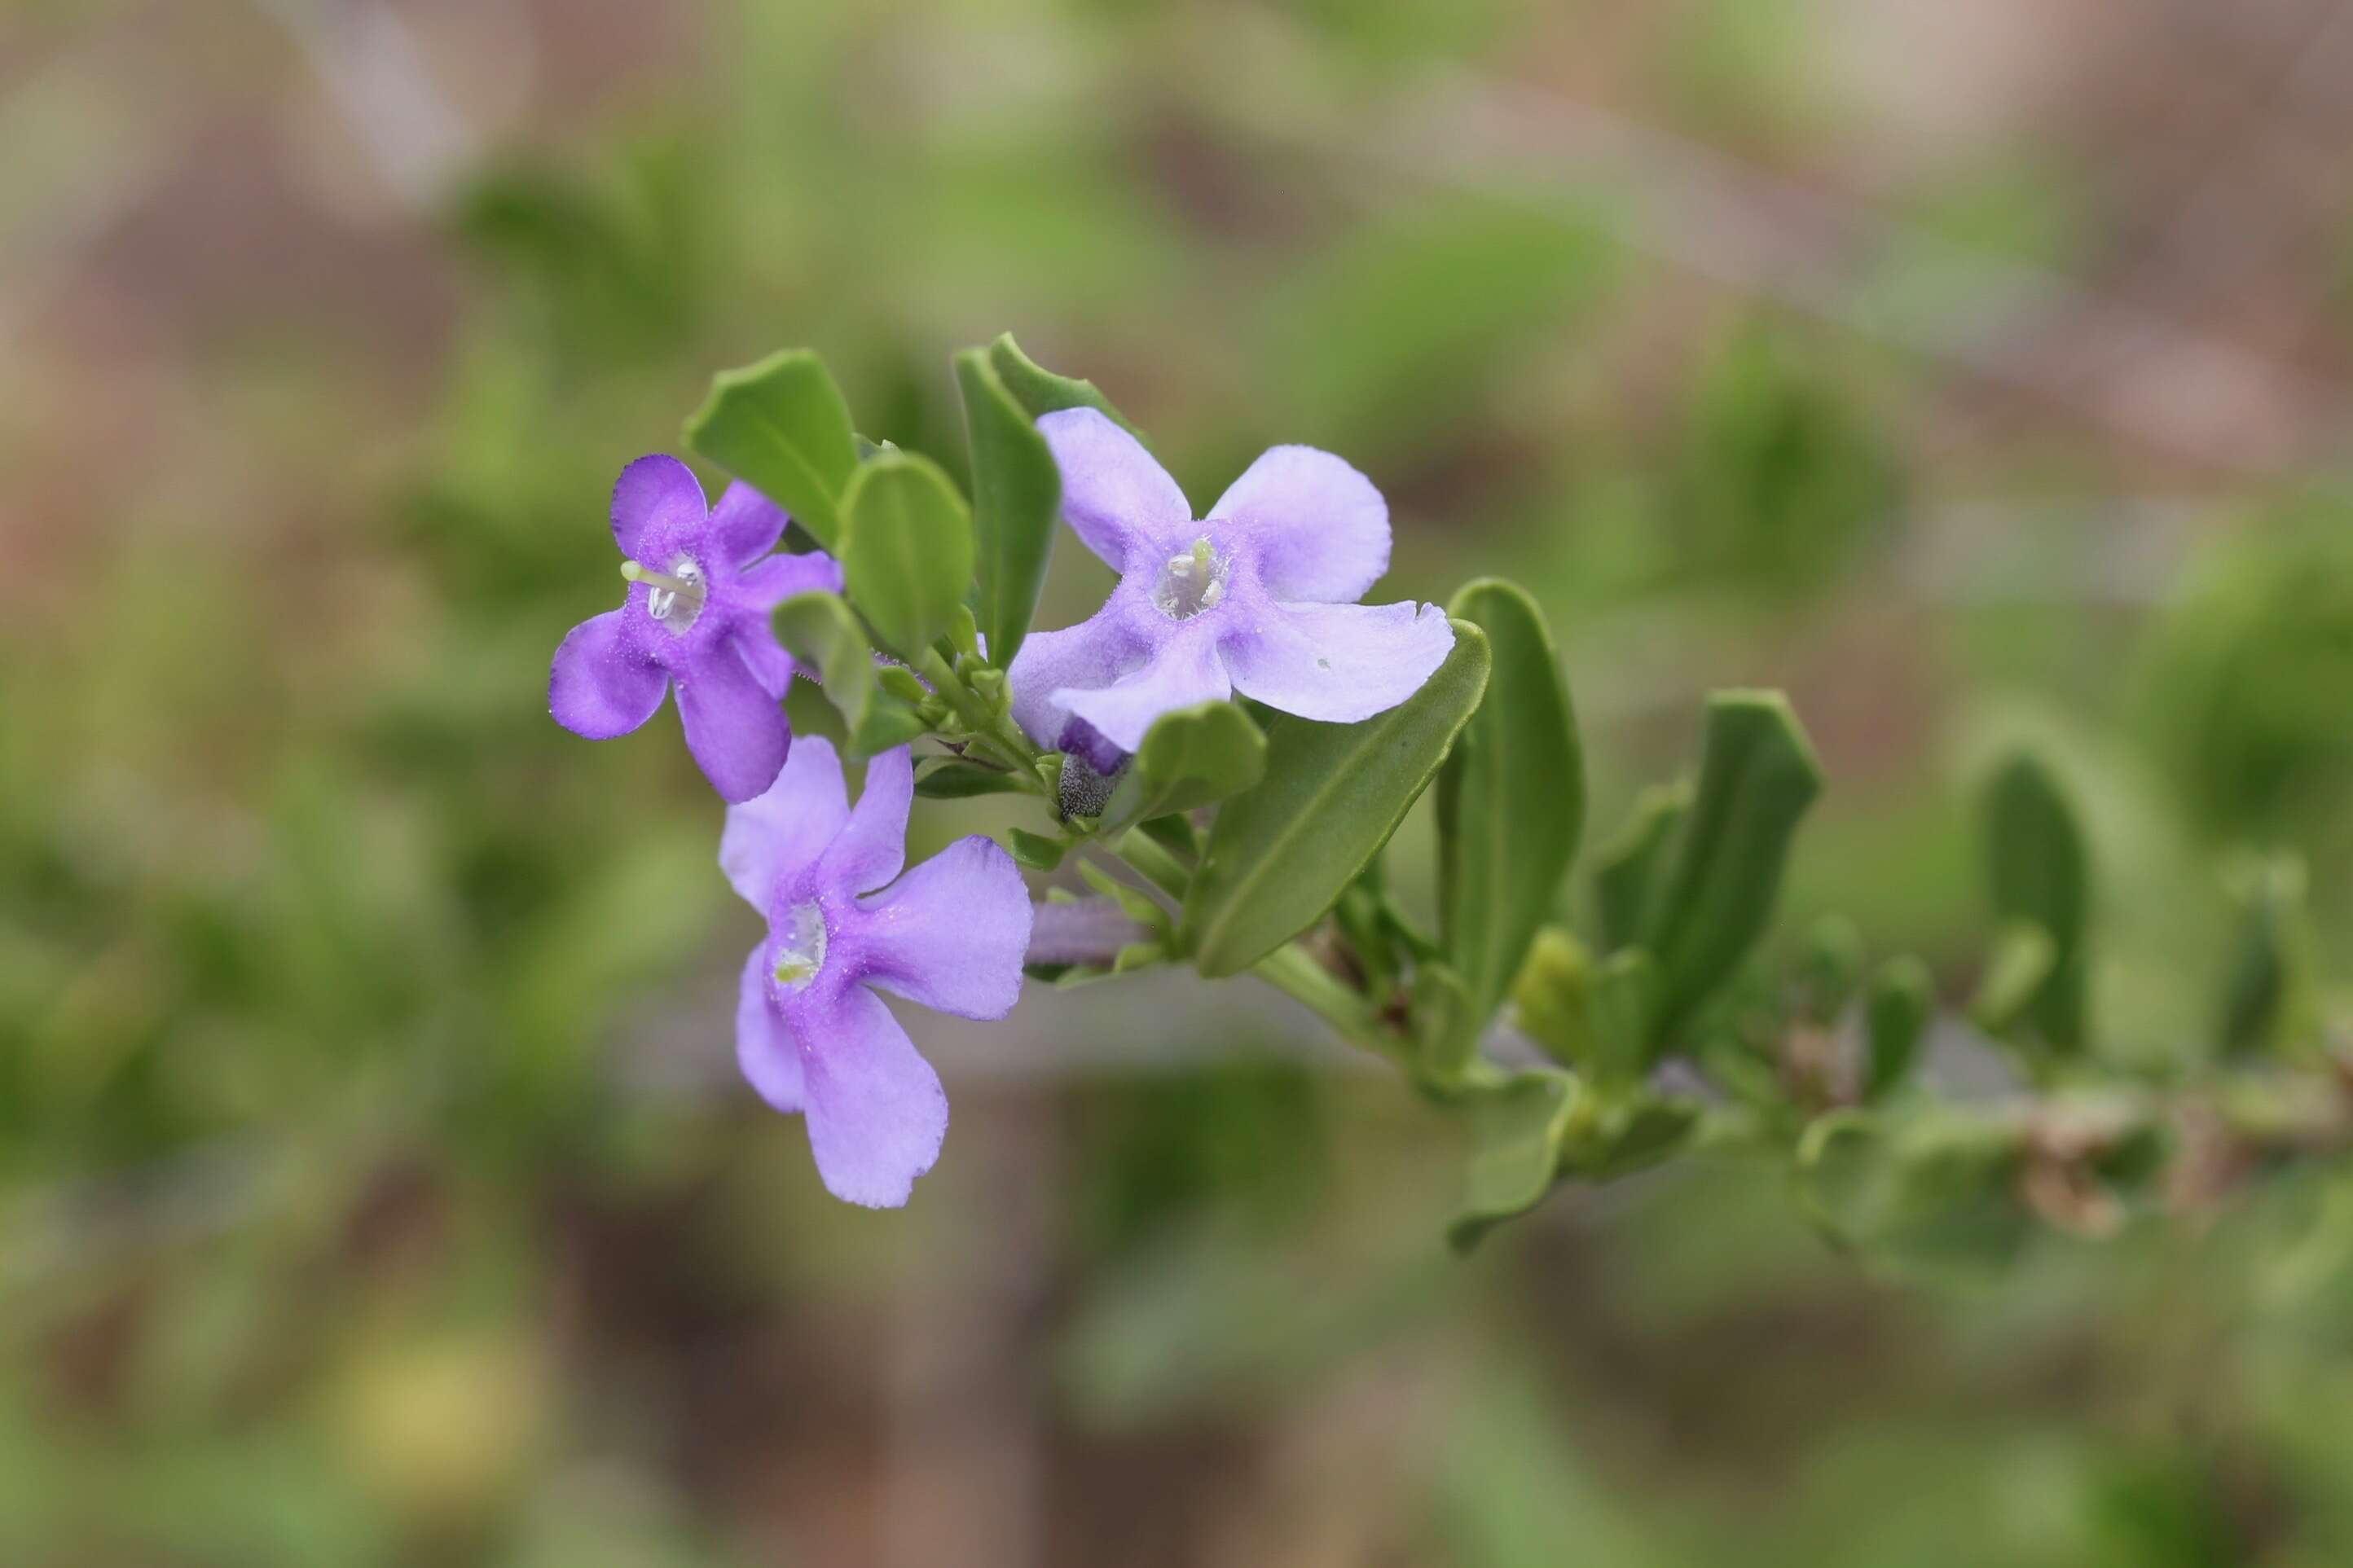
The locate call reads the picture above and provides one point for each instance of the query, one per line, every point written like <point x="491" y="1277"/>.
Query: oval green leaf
<point x="822" y="633"/>
<point x="782" y="426"/>
<point x="2040" y="873"/>
<point x="1191" y="757"/>
<point x="906" y="550"/>
<point x="1279" y="855"/>
<point x="1041" y="390"/>
<point x="1511" y="799"/>
<point x="1016" y="493"/>
<point x="1758" y="775"/>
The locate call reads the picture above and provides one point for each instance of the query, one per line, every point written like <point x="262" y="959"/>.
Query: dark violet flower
<point x="696" y="618"/>
<point x="809" y="1033"/>
<point x="1260" y="598"/>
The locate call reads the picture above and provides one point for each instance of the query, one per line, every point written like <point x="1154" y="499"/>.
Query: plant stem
<point x="1293" y="970"/>
<point x="990" y="730"/>
<point x="1152" y="863"/>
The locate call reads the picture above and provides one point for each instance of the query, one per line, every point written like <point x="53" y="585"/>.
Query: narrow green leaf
<point x="781" y="426"/>
<point x="1634" y="864"/>
<point x="2041" y="874"/>
<point x="1191" y="757"/>
<point x="2267" y="989"/>
<point x="1895" y="1023"/>
<point x="1280" y="854"/>
<point x="823" y="634"/>
<point x="950" y="779"/>
<point x="1626" y="1000"/>
<point x="1511" y="799"/>
<point x="1017" y="494"/>
<point x="1041" y="391"/>
<point x="906" y="550"/>
<point x="1758" y="775"/>
<point x="1516" y="1130"/>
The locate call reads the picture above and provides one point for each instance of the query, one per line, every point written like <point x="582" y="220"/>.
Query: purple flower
<point x="1259" y="598"/>
<point x="701" y="587"/>
<point x="809" y="1034"/>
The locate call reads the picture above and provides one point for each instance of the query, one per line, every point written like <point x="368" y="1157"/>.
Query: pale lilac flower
<point x="809" y="1034"/>
<point x="1257" y="598"/>
<point x="696" y="618"/>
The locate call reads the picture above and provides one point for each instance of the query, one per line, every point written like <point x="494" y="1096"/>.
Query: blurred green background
<point x="376" y="1187"/>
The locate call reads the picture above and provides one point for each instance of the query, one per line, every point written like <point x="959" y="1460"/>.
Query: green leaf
<point x="1895" y="1023"/>
<point x="1511" y="799"/>
<point x="1190" y="757"/>
<point x="782" y="427"/>
<point x="2041" y="874"/>
<point x="2014" y="976"/>
<point x="1445" y="1024"/>
<point x="889" y="723"/>
<point x="1035" y="851"/>
<point x="2267" y="990"/>
<point x="1634" y="863"/>
<point x="1934" y="1193"/>
<point x="1017" y="494"/>
<point x="948" y="778"/>
<point x="1626" y="999"/>
<point x="1616" y="1133"/>
<point x="1553" y="998"/>
<point x="1041" y="391"/>
<point x="1174" y="833"/>
<point x="1279" y="855"/>
<point x="906" y="550"/>
<point x="1517" y="1129"/>
<point x="822" y="632"/>
<point x="1758" y="775"/>
<point x="1830" y="969"/>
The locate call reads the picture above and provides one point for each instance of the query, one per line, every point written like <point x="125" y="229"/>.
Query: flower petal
<point x="1322" y="529"/>
<point x="745" y="524"/>
<point x="1113" y="494"/>
<point x="771" y="666"/>
<point x="877" y="1113"/>
<point x="764" y="1046"/>
<point x="735" y="730"/>
<point x="1184" y="671"/>
<point x="786" y="829"/>
<point x="655" y="494"/>
<point x="1092" y="653"/>
<point x="870" y="850"/>
<point x="1339" y="663"/>
<point x="951" y="933"/>
<point x="779" y="577"/>
<point x="599" y="684"/>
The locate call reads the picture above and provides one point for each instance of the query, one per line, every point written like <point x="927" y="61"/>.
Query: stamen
<point x="1190" y="582"/>
<point x="803" y="953"/>
<point x="677" y="595"/>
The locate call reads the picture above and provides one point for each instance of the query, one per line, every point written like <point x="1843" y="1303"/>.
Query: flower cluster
<point x="1257" y="598"/>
